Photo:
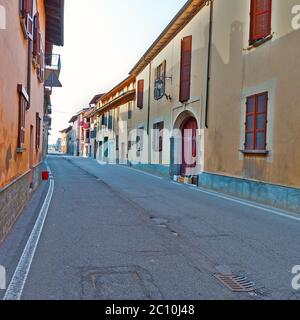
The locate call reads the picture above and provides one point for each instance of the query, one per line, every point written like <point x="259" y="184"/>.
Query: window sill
<point x="255" y="152"/>
<point x="260" y="42"/>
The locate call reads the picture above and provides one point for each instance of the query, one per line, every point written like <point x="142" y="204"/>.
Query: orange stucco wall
<point x="13" y="71"/>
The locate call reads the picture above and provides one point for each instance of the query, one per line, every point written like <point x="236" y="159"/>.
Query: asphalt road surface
<point x="116" y="233"/>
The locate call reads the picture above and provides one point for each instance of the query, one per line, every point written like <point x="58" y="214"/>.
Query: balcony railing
<point x="53" y="68"/>
<point x="53" y="62"/>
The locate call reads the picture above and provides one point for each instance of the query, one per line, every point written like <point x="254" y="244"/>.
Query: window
<point x="160" y="81"/>
<point x="110" y="120"/>
<point x="140" y="95"/>
<point x="260" y="25"/>
<point x="104" y="120"/>
<point x="185" y="69"/>
<point x="117" y="143"/>
<point x="256" y="122"/>
<point x="23" y="104"/>
<point x="129" y="110"/>
<point x="140" y="141"/>
<point x="38" y="51"/>
<point x="158" y="130"/>
<point x="26" y="16"/>
<point x="38" y="132"/>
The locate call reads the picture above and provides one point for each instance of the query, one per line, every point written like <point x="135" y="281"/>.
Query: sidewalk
<point x="12" y="247"/>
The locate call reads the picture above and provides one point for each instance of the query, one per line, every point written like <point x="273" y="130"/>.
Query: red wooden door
<point x="189" y="146"/>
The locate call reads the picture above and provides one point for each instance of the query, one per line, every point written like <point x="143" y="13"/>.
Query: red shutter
<point x="185" y="70"/>
<point x="261" y="13"/>
<point x="140" y="96"/>
<point x="256" y="122"/>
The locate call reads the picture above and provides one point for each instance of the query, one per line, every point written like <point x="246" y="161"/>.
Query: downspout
<point x="148" y="116"/>
<point x="29" y="59"/>
<point x="209" y="61"/>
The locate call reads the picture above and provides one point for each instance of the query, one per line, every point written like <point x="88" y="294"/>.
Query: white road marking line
<point x="247" y="203"/>
<point x="143" y="172"/>
<point x="16" y="286"/>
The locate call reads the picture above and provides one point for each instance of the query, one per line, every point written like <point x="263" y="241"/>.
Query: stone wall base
<point x="157" y="169"/>
<point x="269" y="194"/>
<point x="14" y="197"/>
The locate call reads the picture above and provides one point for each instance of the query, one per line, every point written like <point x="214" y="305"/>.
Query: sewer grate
<point x="236" y="283"/>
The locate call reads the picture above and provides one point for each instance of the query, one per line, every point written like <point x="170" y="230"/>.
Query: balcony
<point x="52" y="71"/>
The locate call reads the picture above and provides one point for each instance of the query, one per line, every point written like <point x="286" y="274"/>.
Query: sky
<point x="103" y="41"/>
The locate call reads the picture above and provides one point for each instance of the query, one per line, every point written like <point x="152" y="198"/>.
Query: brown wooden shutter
<point x="261" y="13"/>
<point x="36" y="36"/>
<point x="28" y="7"/>
<point x="38" y="131"/>
<point x="23" y="102"/>
<point x="140" y="96"/>
<point x="185" y="70"/>
<point x="164" y="75"/>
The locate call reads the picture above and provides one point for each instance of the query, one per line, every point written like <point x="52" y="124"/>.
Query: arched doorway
<point x="189" y="146"/>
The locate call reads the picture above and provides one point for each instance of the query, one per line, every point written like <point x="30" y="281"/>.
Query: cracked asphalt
<point x="116" y="233"/>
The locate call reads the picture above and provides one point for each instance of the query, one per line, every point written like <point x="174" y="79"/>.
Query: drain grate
<point x="236" y="283"/>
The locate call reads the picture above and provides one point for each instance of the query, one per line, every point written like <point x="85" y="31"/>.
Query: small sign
<point x="159" y="89"/>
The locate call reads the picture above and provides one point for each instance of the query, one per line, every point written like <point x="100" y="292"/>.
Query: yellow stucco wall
<point x="169" y="110"/>
<point x="13" y="60"/>
<point x="237" y="73"/>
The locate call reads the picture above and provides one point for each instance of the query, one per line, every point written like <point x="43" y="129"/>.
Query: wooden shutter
<point x="256" y="122"/>
<point x="161" y="126"/>
<point x="26" y="7"/>
<point x="23" y="102"/>
<point x="38" y="131"/>
<point x="261" y="14"/>
<point x="36" y="36"/>
<point x="29" y="18"/>
<point x="140" y="96"/>
<point x="129" y="110"/>
<point x="185" y="70"/>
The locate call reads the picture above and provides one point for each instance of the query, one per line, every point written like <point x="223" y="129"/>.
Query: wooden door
<point x="189" y="147"/>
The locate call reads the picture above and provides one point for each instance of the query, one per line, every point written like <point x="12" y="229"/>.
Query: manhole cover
<point x="236" y="283"/>
<point x="118" y="283"/>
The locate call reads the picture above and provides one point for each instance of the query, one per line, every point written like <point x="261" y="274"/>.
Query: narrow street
<point x="116" y="233"/>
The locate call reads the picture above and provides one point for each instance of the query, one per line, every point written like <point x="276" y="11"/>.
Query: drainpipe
<point x="148" y="116"/>
<point x="29" y="59"/>
<point x="209" y="61"/>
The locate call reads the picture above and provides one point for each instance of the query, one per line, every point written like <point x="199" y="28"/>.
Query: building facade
<point x="112" y="117"/>
<point x="26" y="47"/>
<point x="220" y="87"/>
<point x="213" y="102"/>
